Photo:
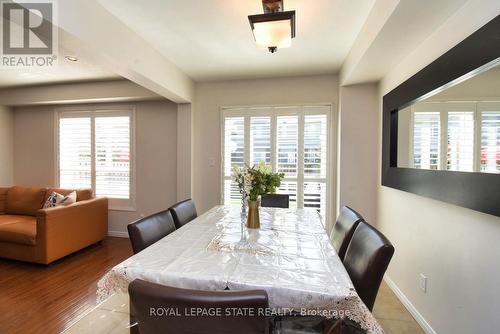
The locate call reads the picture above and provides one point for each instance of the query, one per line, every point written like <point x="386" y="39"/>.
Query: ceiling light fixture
<point x="275" y="28"/>
<point x="71" y="58"/>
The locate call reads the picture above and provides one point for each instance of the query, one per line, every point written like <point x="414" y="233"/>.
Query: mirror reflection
<point x="457" y="129"/>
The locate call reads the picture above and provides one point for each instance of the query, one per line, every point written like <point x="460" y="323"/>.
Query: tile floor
<point x="392" y="315"/>
<point x="109" y="317"/>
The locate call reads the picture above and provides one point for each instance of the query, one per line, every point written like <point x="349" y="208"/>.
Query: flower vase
<point x="253" y="220"/>
<point x="243" y="209"/>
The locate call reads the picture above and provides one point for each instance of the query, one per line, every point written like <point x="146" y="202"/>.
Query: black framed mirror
<point x="441" y="127"/>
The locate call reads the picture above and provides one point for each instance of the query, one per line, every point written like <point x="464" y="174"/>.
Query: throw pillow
<point x="54" y="200"/>
<point x="70" y="199"/>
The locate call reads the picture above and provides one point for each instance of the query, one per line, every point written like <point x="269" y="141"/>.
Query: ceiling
<point x="163" y="44"/>
<point x="82" y="70"/>
<point x="212" y="39"/>
<point x="408" y="26"/>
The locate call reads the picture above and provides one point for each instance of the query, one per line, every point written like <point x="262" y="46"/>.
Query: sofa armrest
<point x="65" y="229"/>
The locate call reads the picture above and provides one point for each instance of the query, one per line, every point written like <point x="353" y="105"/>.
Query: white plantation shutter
<point x="289" y="188"/>
<point x="234" y="155"/>
<point x="460" y="155"/>
<point x="287" y="146"/>
<point x="490" y="141"/>
<point x="95" y="151"/>
<point x="426" y="140"/>
<point x="315" y="196"/>
<point x="234" y="143"/>
<point x="260" y="140"/>
<point x="112" y="156"/>
<point x="457" y="136"/>
<point x="315" y="158"/>
<point x="75" y="153"/>
<point x="231" y="192"/>
<point x="315" y="146"/>
<point x="293" y="139"/>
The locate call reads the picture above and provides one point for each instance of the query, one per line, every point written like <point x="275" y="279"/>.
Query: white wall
<point x="77" y="92"/>
<point x="6" y="146"/>
<point x="156" y="156"/>
<point x="483" y="87"/>
<point x="358" y="152"/>
<point x="209" y="97"/>
<point x="456" y="248"/>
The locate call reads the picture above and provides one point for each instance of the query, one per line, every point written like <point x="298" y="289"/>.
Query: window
<point x="460" y="141"/>
<point x="490" y="139"/>
<point x="315" y="158"/>
<point x="96" y="151"/>
<point x="260" y="140"/>
<point x="426" y="134"/>
<point x="75" y="153"/>
<point x="457" y="136"/>
<point x="293" y="139"/>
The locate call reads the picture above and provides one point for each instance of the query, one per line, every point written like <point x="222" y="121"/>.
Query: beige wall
<point x="358" y="154"/>
<point x="209" y="97"/>
<point x="34" y="146"/>
<point x="456" y="248"/>
<point x="184" y="151"/>
<point x="404" y="140"/>
<point x="6" y="146"/>
<point x="156" y="150"/>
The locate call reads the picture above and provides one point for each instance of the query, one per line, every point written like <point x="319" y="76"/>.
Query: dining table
<point x="290" y="257"/>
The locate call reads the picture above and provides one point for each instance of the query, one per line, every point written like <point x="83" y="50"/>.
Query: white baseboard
<point x="119" y="234"/>
<point x="409" y="306"/>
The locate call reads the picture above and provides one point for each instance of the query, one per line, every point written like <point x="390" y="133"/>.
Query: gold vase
<point x="253" y="220"/>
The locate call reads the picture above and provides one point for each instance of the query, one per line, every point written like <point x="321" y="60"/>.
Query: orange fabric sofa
<point x="30" y="233"/>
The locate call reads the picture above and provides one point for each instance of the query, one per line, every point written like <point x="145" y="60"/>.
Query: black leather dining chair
<point x="366" y="261"/>
<point x="344" y="227"/>
<point x="183" y="212"/>
<point x="146" y="231"/>
<point x="148" y="302"/>
<point x="275" y="201"/>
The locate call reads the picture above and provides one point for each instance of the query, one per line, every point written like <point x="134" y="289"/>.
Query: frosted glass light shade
<point x="273" y="34"/>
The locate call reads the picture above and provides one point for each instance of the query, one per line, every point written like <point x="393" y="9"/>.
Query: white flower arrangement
<point x="256" y="181"/>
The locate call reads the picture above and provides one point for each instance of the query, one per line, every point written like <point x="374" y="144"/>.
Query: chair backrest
<point x="366" y="261"/>
<point x="146" y="231"/>
<point x="275" y="201"/>
<point x="183" y="212"/>
<point x="148" y="302"/>
<point x="344" y="227"/>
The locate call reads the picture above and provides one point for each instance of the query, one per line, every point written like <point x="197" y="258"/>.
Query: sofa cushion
<point x="81" y="194"/>
<point x="24" y="200"/>
<point x="3" y="198"/>
<point x="18" y="229"/>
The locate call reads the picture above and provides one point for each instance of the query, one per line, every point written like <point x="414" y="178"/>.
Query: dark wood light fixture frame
<point x="277" y="16"/>
<point x="476" y="191"/>
<point x="273" y="11"/>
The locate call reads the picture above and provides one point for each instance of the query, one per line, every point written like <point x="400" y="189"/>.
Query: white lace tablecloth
<point x="290" y="257"/>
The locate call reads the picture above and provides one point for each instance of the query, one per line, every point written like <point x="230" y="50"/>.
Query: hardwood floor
<point x="47" y="299"/>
